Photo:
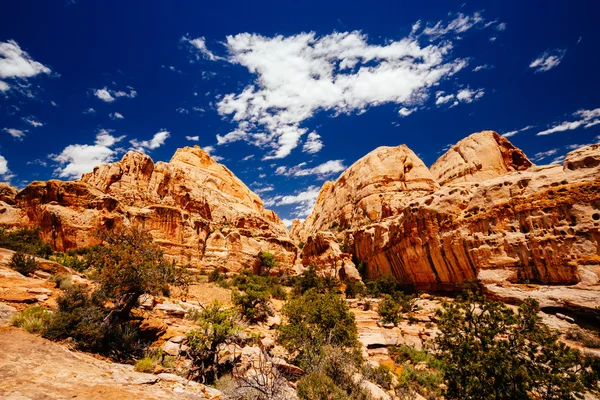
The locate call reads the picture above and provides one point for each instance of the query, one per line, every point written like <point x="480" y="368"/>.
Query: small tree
<point x="267" y="262"/>
<point x="253" y="305"/>
<point x="489" y="352"/>
<point x="216" y="327"/>
<point x="23" y="264"/>
<point x="389" y="310"/>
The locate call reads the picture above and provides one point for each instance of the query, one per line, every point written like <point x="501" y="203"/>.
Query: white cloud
<point x="89" y="111"/>
<point x="193" y="138"/>
<point x="299" y="75"/>
<point x="15" y="133"/>
<point x="248" y="157"/>
<point x="198" y="109"/>
<point x="5" y="173"/>
<point x="313" y="143"/>
<point x="513" y="133"/>
<point x="548" y="60"/>
<point x="322" y="170"/>
<point x="544" y="154"/>
<point x="78" y="159"/>
<point x="586" y="118"/>
<point x="460" y="24"/>
<point x="54" y="103"/>
<point x="109" y="95"/>
<point x="467" y="95"/>
<point x="405" y="112"/>
<point x="33" y="122"/>
<point x="482" y="67"/>
<point x="493" y="39"/>
<point x="558" y="160"/>
<point x="209" y="149"/>
<point x="287" y="222"/>
<point x="182" y="110"/>
<point x="17" y="63"/>
<point x="265" y="189"/>
<point x="217" y="158"/>
<point x="157" y="140"/>
<point x="200" y="44"/>
<point x="116" y="116"/>
<point x="443" y="99"/>
<point x="304" y="201"/>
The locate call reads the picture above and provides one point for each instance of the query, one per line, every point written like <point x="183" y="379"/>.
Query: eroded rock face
<point x="539" y="224"/>
<point x="377" y="186"/>
<point x="479" y="157"/>
<point x="197" y="210"/>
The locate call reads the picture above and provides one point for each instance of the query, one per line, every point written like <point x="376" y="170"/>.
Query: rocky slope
<point x="482" y="207"/>
<point x="196" y="209"/>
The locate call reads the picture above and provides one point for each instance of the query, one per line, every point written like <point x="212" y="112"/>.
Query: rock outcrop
<point x="494" y="210"/>
<point x="197" y="210"/>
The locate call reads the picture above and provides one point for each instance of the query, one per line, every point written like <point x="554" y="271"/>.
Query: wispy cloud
<point x="304" y="201"/>
<point x="585" y="118"/>
<point x="157" y="140"/>
<point x="116" y="115"/>
<point x="548" y="60"/>
<point x="15" y="133"/>
<point x="109" y="95"/>
<point x="322" y="170"/>
<point x="513" y="133"/>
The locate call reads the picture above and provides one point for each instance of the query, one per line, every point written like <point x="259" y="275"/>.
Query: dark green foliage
<point x="381" y="375"/>
<point x="354" y="289"/>
<point x="25" y="240"/>
<point x="426" y="381"/>
<point x="389" y="310"/>
<point x="253" y="305"/>
<point x="215" y="276"/>
<point x="315" y="320"/>
<point x="310" y="280"/>
<point x="71" y="260"/>
<point x="23" y="264"/>
<point x="385" y="284"/>
<point x="490" y="352"/>
<point x="217" y="326"/>
<point x="267" y="262"/>
<point x="318" y="386"/>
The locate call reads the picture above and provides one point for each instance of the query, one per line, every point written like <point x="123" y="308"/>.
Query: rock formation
<point x="197" y="210"/>
<point x="494" y="210"/>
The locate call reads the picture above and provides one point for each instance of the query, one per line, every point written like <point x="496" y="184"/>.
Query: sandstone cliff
<point x="494" y="211"/>
<point x="196" y="209"/>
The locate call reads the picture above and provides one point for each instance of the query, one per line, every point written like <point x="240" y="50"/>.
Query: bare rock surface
<point x="196" y="209"/>
<point x="494" y="211"/>
<point x="35" y="368"/>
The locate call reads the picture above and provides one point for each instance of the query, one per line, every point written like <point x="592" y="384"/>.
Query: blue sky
<point x="288" y="94"/>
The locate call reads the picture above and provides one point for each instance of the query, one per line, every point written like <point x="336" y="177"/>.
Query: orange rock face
<point x="197" y="210"/>
<point x="494" y="210"/>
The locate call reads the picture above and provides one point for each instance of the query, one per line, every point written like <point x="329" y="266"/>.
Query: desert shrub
<point x="381" y="375"/>
<point x="309" y="279"/>
<point x="71" y="260"/>
<point x="215" y="275"/>
<point x="318" y="386"/>
<point x="33" y="319"/>
<point x="420" y="379"/>
<point x="404" y="353"/>
<point x="216" y="327"/>
<point x="354" y="289"/>
<point x="586" y="339"/>
<point x="145" y="364"/>
<point x="489" y="351"/>
<point x="25" y="240"/>
<point x="278" y="292"/>
<point x="384" y="284"/>
<point x="253" y="305"/>
<point x="389" y="310"/>
<point x="62" y="281"/>
<point x="267" y="262"/>
<point x="23" y="264"/>
<point x="315" y="320"/>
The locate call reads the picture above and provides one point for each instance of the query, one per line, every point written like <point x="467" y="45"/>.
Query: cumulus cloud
<point x="15" y="133"/>
<point x="544" y="154"/>
<point x="299" y="75"/>
<point x="209" y="149"/>
<point x="116" y="116"/>
<point x="193" y="138"/>
<point x="182" y="110"/>
<point x="513" y="133"/>
<point x="304" y="201"/>
<point x="313" y="143"/>
<point x="548" y="60"/>
<point x="78" y="159"/>
<point x="15" y="63"/>
<point x="109" y="95"/>
<point x="405" y="112"/>
<point x="322" y="170"/>
<point x="33" y="122"/>
<point x="157" y="140"/>
<point x="585" y="118"/>
<point x="89" y="111"/>
<point x="466" y="95"/>
<point x="5" y="173"/>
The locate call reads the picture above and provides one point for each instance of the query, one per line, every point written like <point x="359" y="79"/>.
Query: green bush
<point x="489" y="351"/>
<point x="309" y="279"/>
<point x="62" y="281"/>
<point x="318" y="386"/>
<point x="253" y="305"/>
<point x="315" y="320"/>
<point x="23" y="264"/>
<point x="25" y="240"/>
<point x="216" y="327"/>
<point x="428" y="380"/>
<point x="267" y="262"/>
<point x="33" y="320"/>
<point x="384" y="284"/>
<point x="586" y="339"/>
<point x="381" y="375"/>
<point x="389" y="310"/>
<point x="71" y="260"/>
<point x="354" y="289"/>
<point x="215" y="275"/>
<point x="145" y="364"/>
